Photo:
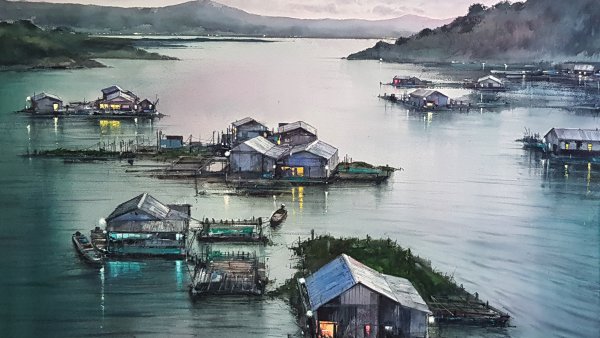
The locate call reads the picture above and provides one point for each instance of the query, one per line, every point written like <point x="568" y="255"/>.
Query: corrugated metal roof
<point x="574" y="134"/>
<point x="425" y="93"/>
<point x="265" y="147"/>
<point x="44" y="95"/>
<point x="585" y="68"/>
<point x="111" y="89"/>
<point x="247" y="120"/>
<point x="123" y="95"/>
<point x="149" y="205"/>
<point x="297" y="125"/>
<point x="344" y="272"/>
<point x="490" y="77"/>
<point x="317" y="147"/>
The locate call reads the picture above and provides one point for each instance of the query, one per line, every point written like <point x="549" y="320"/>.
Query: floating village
<point x="336" y="292"/>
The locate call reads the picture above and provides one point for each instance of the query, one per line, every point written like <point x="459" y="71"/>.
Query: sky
<point x="311" y="9"/>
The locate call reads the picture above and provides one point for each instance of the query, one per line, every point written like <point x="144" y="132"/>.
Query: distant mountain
<point x="204" y="17"/>
<point x="522" y="31"/>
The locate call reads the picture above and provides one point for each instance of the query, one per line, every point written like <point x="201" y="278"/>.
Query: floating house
<point x="171" y="142"/>
<point x="490" y="82"/>
<point x="408" y="81"/>
<point x="248" y="128"/>
<point x="583" y="69"/>
<point x="146" y="106"/>
<point x="46" y="103"/>
<point x="145" y="226"/>
<point x="345" y="298"/>
<point x="257" y="155"/>
<point x="295" y="133"/>
<point x="314" y="160"/>
<point x="426" y="98"/>
<point x="115" y="98"/>
<point x="571" y="141"/>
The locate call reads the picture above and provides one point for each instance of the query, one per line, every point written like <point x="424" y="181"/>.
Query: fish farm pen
<point x="247" y="230"/>
<point x="229" y="273"/>
<point x="448" y="302"/>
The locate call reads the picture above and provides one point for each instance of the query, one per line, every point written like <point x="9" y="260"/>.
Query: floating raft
<point x="229" y="274"/>
<point x="466" y="310"/>
<point x="232" y="231"/>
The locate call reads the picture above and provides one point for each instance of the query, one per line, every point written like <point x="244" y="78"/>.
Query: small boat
<point x="278" y="216"/>
<point x="85" y="249"/>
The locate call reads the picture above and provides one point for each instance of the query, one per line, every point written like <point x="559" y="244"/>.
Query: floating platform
<point x="229" y="274"/>
<point x="235" y="231"/>
<point x="466" y="310"/>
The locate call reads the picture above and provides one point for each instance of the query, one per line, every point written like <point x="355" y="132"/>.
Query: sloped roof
<point x="148" y="205"/>
<point x="265" y="147"/>
<point x="317" y="147"/>
<point x="584" y="67"/>
<point x="297" y="125"/>
<point x="123" y="95"/>
<point x="344" y="272"/>
<point x="573" y="134"/>
<point x="490" y="77"/>
<point x="44" y="95"/>
<point x="425" y="93"/>
<point x="247" y="120"/>
<point x="111" y="89"/>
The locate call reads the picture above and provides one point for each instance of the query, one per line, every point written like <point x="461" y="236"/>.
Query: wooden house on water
<point x="248" y="128"/>
<point x="295" y="133"/>
<point x="408" y="81"/>
<point x="255" y="157"/>
<point x="490" y="82"/>
<point x="426" y="98"/>
<point x="116" y="98"/>
<point x="348" y="299"/>
<point x="144" y="226"/>
<point x="573" y="142"/>
<point x="229" y="274"/>
<point x="45" y="103"/>
<point x="314" y="160"/>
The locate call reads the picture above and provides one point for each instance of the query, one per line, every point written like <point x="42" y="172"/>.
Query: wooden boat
<point x="85" y="249"/>
<point x="278" y="216"/>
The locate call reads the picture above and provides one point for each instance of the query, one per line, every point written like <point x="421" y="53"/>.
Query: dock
<point x="229" y="273"/>
<point x="466" y="310"/>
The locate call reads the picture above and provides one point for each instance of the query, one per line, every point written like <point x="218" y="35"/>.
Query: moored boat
<point x="278" y="216"/>
<point x="85" y="249"/>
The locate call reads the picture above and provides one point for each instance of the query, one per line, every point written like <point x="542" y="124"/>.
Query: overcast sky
<point x="363" y="9"/>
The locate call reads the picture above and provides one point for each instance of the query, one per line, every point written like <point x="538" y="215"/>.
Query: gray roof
<point x="297" y="125"/>
<point x="573" y="134"/>
<point x="124" y="95"/>
<point x="265" y="147"/>
<point x="148" y="205"/>
<point x="489" y="77"/>
<point x="425" y="93"/>
<point x="43" y="95"/>
<point x="317" y="147"/>
<point x="111" y="89"/>
<point x="246" y="120"/>
<point x="344" y="272"/>
<point x="585" y="68"/>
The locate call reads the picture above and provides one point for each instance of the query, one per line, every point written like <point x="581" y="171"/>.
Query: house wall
<point x="556" y="144"/>
<point x="298" y="136"/>
<point x="250" y="162"/>
<point x="490" y="84"/>
<point x="46" y="105"/>
<point x="314" y="166"/>
<point x="249" y="130"/>
<point x="439" y="100"/>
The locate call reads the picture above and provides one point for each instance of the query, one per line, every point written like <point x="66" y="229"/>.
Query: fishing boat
<point x="85" y="249"/>
<point x="278" y="216"/>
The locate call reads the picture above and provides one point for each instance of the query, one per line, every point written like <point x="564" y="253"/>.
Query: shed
<point x="171" y="142"/>
<point x="407" y="81"/>
<point x="311" y="160"/>
<point x="248" y="128"/>
<point x="257" y="155"/>
<point x="573" y="141"/>
<point x="428" y="98"/>
<point x="348" y="299"/>
<point x="490" y="82"/>
<point x="584" y="69"/>
<point x="295" y="133"/>
<point x="145" y="226"/>
<point x="46" y="103"/>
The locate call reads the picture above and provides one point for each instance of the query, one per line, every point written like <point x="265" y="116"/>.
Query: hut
<point x="572" y="141"/>
<point x="408" y="81"/>
<point x="315" y="160"/>
<point x="295" y="133"/>
<point x="257" y="155"/>
<point x="116" y="98"/>
<point x="426" y="98"/>
<point x="46" y="103"/>
<point x="146" y="106"/>
<point x="248" y="128"/>
<point x="345" y="298"/>
<point x="490" y="82"/>
<point x="583" y="69"/>
<point x="145" y="226"/>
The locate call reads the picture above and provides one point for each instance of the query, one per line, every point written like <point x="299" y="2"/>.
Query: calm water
<point x="521" y="232"/>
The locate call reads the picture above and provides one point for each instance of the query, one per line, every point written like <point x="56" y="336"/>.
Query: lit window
<point x="589" y="147"/>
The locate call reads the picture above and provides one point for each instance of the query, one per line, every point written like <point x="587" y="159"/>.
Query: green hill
<point x="521" y="31"/>
<point x="25" y="45"/>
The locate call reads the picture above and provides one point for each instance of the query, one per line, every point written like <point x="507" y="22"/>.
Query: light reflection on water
<point x="502" y="221"/>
